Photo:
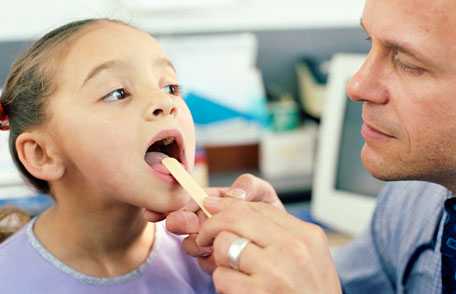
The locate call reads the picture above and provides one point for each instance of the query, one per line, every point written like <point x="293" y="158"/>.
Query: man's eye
<point x="411" y="69"/>
<point x="172" y="90"/>
<point x="115" y="95"/>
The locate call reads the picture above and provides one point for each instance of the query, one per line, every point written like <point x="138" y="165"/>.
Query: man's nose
<point x="159" y="109"/>
<point x="368" y="83"/>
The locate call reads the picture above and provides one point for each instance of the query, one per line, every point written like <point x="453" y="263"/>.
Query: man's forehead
<point x="434" y="11"/>
<point x="423" y="26"/>
<point x="436" y="17"/>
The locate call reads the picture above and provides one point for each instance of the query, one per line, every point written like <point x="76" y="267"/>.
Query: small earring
<point x="4" y="124"/>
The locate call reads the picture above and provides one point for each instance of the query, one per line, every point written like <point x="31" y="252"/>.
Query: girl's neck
<point x="103" y="243"/>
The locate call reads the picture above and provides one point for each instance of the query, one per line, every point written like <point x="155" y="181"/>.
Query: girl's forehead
<point x="112" y="38"/>
<point x="105" y="42"/>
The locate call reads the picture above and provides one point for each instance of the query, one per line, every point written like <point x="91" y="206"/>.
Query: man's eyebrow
<point x="407" y="50"/>
<point x="104" y="66"/>
<point x="401" y="47"/>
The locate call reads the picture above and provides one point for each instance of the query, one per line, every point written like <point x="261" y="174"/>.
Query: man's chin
<point x="391" y="175"/>
<point x="378" y="172"/>
<point x="378" y="167"/>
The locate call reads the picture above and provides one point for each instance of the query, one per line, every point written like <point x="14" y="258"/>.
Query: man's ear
<point x="39" y="156"/>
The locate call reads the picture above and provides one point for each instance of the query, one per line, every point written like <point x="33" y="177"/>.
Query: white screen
<point x="343" y="192"/>
<point x="351" y="176"/>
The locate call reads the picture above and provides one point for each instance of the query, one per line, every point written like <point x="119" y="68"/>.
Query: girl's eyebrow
<point x="163" y="61"/>
<point x="102" y="67"/>
<point x="159" y="62"/>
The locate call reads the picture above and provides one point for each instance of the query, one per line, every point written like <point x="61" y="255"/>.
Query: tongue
<point x="154" y="160"/>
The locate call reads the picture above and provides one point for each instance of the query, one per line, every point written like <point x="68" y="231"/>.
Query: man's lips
<point x="372" y="124"/>
<point x="371" y="132"/>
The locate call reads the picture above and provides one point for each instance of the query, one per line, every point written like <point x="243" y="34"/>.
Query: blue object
<point x="448" y="248"/>
<point x="304" y="214"/>
<point x="205" y="111"/>
<point x="33" y="205"/>
<point x="399" y="252"/>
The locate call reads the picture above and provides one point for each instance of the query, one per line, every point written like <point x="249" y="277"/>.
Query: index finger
<point x="183" y="222"/>
<point x="188" y="219"/>
<point x="238" y="217"/>
<point x="250" y="217"/>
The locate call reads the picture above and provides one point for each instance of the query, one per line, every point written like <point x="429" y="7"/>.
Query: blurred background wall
<point x="286" y="34"/>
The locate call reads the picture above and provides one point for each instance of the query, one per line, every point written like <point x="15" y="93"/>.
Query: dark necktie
<point x="448" y="248"/>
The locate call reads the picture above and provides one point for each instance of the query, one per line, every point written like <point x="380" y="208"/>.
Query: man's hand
<point x="188" y="221"/>
<point x="284" y="254"/>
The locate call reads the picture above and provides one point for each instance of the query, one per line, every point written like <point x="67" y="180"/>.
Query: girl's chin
<point x="153" y="216"/>
<point x="165" y="209"/>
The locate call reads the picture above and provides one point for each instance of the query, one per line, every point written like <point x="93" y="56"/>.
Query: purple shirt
<point x="26" y="266"/>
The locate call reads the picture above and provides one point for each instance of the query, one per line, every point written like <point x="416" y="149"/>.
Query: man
<point x="407" y="86"/>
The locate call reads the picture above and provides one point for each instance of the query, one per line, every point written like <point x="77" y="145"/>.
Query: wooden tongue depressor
<point x="186" y="181"/>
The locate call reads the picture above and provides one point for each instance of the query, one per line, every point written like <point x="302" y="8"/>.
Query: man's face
<point x="408" y="89"/>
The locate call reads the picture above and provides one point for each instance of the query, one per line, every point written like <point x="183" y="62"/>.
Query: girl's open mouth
<point x="167" y="143"/>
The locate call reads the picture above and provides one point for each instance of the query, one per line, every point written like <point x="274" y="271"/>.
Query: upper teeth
<point x="168" y="141"/>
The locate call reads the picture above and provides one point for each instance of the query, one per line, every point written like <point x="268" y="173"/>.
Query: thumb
<point x="182" y="222"/>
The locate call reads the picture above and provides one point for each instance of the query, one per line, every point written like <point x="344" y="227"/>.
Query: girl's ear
<point x="38" y="154"/>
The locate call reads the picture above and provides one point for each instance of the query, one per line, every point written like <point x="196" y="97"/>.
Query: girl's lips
<point x="154" y="159"/>
<point x="154" y="155"/>
<point x="160" y="172"/>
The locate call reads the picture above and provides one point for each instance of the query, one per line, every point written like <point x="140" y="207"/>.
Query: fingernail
<point x="212" y="202"/>
<point x="205" y="251"/>
<point x="237" y="193"/>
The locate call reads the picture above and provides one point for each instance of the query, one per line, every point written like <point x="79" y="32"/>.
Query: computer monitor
<point x="343" y="192"/>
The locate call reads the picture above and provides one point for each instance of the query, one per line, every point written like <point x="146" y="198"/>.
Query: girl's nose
<point x="161" y="109"/>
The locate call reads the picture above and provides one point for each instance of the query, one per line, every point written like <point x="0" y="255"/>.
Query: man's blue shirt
<point x="400" y="252"/>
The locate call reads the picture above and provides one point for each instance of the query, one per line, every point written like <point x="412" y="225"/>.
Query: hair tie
<point x="4" y="121"/>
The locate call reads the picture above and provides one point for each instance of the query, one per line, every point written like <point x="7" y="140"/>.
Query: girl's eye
<point x="172" y="90"/>
<point x="116" y="95"/>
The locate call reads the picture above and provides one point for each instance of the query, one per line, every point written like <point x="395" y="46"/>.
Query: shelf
<point x="40" y="16"/>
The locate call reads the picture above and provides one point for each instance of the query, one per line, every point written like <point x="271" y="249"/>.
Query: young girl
<point x="92" y="108"/>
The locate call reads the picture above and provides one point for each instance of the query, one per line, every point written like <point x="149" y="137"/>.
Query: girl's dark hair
<point x="30" y="82"/>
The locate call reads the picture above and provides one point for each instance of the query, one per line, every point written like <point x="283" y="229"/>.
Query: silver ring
<point x="235" y="251"/>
